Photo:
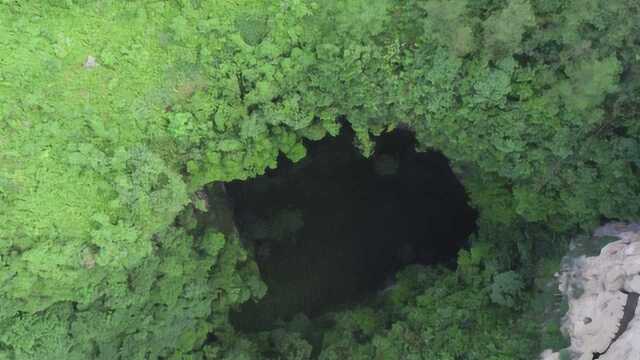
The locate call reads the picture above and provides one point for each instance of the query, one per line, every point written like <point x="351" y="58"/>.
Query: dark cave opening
<point x="336" y="226"/>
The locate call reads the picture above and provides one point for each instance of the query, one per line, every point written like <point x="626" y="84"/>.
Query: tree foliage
<point x="442" y="318"/>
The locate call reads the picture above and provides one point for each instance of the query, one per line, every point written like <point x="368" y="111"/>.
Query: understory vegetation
<point x="114" y="115"/>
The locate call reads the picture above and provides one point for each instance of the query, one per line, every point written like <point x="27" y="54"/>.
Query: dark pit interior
<point x="335" y="227"/>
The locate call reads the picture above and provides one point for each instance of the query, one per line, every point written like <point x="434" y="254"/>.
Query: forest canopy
<point x="114" y="114"/>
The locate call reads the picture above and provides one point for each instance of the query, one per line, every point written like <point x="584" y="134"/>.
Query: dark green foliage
<point x="565" y="355"/>
<point x="530" y="109"/>
<point x="435" y="313"/>
<point x="445" y="318"/>
<point x="534" y="101"/>
<point x="506" y="288"/>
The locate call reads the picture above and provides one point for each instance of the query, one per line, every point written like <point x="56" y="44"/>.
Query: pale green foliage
<point x="165" y="301"/>
<point x="448" y="24"/>
<point x="589" y="83"/>
<point x="92" y="166"/>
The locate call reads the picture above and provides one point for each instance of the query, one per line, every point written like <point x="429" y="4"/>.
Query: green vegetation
<point x="103" y="256"/>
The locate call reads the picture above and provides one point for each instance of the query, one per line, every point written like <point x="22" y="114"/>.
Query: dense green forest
<point x="116" y="116"/>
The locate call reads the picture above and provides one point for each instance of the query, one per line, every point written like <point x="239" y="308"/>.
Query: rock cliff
<point x="602" y="292"/>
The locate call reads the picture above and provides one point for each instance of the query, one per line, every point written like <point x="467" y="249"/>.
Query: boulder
<point x="602" y="292"/>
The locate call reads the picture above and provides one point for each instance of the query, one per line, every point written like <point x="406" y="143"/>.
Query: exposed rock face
<point x="602" y="291"/>
<point x="90" y="63"/>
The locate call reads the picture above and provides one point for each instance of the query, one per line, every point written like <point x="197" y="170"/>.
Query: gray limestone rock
<point x="603" y="290"/>
<point x="90" y="63"/>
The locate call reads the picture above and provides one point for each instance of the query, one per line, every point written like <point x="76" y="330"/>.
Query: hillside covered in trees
<point x="165" y="165"/>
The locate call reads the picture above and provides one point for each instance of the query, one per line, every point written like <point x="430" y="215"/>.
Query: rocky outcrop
<point x="603" y="321"/>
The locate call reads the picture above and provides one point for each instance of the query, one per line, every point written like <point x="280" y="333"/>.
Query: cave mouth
<point x="335" y="226"/>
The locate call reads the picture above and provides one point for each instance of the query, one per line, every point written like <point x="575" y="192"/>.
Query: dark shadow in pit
<point x="335" y="226"/>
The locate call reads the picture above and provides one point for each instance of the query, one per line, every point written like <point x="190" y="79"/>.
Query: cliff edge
<point x="602" y="291"/>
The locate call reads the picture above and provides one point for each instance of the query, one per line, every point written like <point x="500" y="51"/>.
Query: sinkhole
<point x="334" y="227"/>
